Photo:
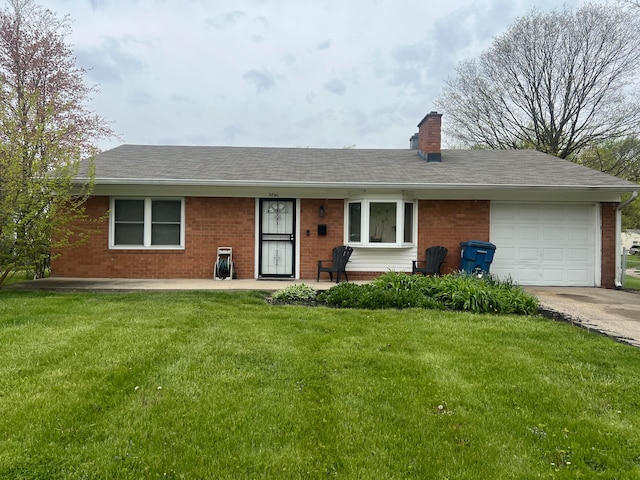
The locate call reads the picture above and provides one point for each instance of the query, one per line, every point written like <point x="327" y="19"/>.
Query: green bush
<point x="391" y="290"/>
<point x="295" y="293"/>
<point x="344" y="295"/>
<point x="459" y="291"/>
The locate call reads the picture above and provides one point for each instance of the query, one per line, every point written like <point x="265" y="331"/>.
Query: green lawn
<point x="630" y="282"/>
<point x="222" y="385"/>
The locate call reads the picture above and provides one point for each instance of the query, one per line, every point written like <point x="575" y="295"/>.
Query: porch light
<point x="321" y="211"/>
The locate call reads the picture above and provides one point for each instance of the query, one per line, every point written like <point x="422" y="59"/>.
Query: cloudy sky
<point x="286" y="73"/>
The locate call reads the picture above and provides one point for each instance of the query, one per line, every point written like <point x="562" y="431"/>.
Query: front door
<point x="277" y="238"/>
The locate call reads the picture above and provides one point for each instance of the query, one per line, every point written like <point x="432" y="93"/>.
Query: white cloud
<point x="261" y="79"/>
<point x="225" y="20"/>
<point x="327" y="73"/>
<point x="336" y="86"/>
<point x="110" y="61"/>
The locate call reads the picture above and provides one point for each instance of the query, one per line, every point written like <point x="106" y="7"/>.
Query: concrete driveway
<point x="615" y="313"/>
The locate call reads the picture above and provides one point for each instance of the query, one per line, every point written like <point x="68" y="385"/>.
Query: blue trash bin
<point x="476" y="256"/>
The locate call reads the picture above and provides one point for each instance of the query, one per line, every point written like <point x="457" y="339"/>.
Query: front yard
<point x="223" y="385"/>
<point x="632" y="282"/>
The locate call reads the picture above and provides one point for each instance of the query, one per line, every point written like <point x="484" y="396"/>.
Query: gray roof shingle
<point x="189" y="165"/>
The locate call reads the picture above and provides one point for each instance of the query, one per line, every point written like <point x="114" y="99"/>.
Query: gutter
<point x="620" y="276"/>
<point x="342" y="184"/>
<point x="633" y="198"/>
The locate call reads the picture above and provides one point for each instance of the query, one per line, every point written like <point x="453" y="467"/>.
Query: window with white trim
<point x="147" y="223"/>
<point x="380" y="223"/>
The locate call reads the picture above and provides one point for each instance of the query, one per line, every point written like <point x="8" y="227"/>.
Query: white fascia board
<point x="345" y="190"/>
<point x="352" y="185"/>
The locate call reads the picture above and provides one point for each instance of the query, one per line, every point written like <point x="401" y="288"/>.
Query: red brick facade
<point x="230" y="222"/>
<point x="314" y="247"/>
<point x="449" y="222"/>
<point x="608" y="212"/>
<point x="209" y="223"/>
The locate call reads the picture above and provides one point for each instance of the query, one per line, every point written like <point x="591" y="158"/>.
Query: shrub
<point x="483" y="294"/>
<point x="298" y="293"/>
<point x="459" y="291"/>
<point x="391" y="290"/>
<point x="344" y="295"/>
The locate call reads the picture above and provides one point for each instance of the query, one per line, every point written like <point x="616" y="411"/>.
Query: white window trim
<point x="364" y="227"/>
<point x="147" y="225"/>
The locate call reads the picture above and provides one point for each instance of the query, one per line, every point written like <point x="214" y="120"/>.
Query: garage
<point x="545" y="244"/>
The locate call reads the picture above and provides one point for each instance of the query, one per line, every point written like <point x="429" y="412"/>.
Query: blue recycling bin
<point x="476" y="256"/>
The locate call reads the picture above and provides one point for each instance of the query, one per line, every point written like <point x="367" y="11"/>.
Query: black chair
<point x="341" y="256"/>
<point x="434" y="259"/>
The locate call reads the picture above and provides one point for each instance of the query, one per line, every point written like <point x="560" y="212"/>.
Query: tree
<point x="45" y="130"/>
<point x="620" y="158"/>
<point x="631" y="215"/>
<point x="557" y="82"/>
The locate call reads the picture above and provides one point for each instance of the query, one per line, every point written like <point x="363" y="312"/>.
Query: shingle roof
<point x="192" y="165"/>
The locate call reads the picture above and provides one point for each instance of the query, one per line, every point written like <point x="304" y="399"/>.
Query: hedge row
<point x="458" y="291"/>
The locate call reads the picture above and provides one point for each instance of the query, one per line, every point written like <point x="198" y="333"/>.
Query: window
<point x="384" y="223"/>
<point x="147" y="223"/>
<point x="408" y="222"/>
<point x="166" y="218"/>
<point x="355" y="222"/>
<point x="129" y="222"/>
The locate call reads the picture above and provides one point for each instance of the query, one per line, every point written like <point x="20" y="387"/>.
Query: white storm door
<point x="277" y="238"/>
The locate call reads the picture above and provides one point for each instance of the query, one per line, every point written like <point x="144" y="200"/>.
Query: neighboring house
<point x="163" y="211"/>
<point x="630" y="238"/>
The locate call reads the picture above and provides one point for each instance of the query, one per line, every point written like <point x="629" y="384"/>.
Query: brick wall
<point x="314" y="247"/>
<point x="449" y="222"/>
<point x="229" y="222"/>
<point x="87" y="259"/>
<point x="608" y="213"/>
<point x="209" y="223"/>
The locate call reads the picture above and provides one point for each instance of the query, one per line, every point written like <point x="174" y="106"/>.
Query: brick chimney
<point x="429" y="137"/>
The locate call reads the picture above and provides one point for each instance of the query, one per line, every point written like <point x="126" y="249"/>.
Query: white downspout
<point x="619" y="272"/>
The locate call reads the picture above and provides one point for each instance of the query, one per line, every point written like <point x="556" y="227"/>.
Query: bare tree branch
<point x="556" y="82"/>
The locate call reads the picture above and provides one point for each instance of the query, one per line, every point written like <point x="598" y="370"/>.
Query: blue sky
<point x="286" y="73"/>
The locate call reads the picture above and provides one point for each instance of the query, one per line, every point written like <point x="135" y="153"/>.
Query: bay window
<point x="380" y="222"/>
<point x="147" y="223"/>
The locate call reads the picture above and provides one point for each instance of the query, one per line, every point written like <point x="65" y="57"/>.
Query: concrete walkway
<point x="57" y="284"/>
<point x="614" y="313"/>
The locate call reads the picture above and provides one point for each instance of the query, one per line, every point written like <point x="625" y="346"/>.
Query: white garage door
<point x="544" y="244"/>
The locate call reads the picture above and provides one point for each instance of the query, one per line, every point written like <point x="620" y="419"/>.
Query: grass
<point x="222" y="385"/>
<point x="631" y="282"/>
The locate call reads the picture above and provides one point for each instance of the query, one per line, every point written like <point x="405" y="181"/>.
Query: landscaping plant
<point x="458" y="291"/>
<point x="296" y="293"/>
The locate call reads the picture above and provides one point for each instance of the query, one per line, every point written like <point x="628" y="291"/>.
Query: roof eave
<point x="349" y="184"/>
